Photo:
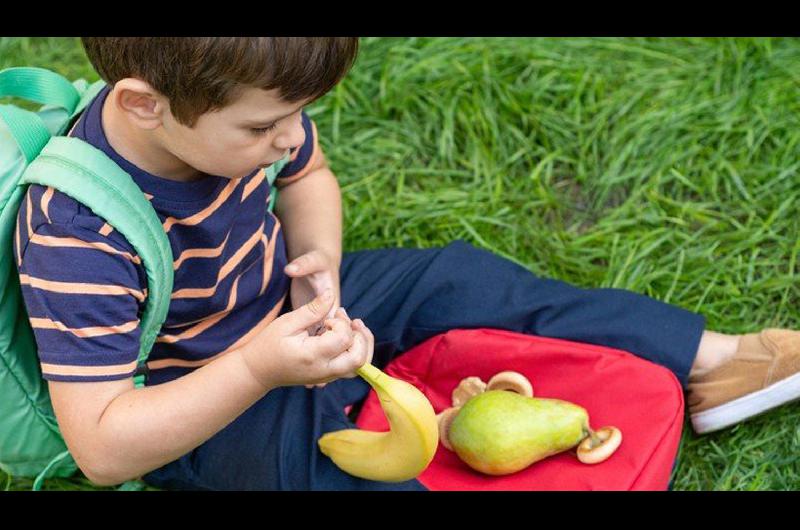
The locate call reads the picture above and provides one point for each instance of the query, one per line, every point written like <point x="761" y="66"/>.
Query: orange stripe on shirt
<point x="94" y="331"/>
<point x="207" y="322"/>
<point x="19" y="249"/>
<point x="53" y="241"/>
<point x="165" y="363"/>
<point x="45" y="203"/>
<point x="200" y="253"/>
<point x="79" y="288"/>
<point x="224" y="271"/>
<point x="200" y="216"/>
<point x="258" y="328"/>
<point x="254" y="182"/>
<point x="269" y="255"/>
<point x="106" y="229"/>
<point x="228" y="309"/>
<point x="303" y="172"/>
<point x="29" y="210"/>
<point x="116" y="369"/>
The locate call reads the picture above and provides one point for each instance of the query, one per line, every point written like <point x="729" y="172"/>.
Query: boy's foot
<point x="763" y="374"/>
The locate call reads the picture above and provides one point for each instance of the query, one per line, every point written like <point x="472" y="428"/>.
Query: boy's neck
<point x="141" y="147"/>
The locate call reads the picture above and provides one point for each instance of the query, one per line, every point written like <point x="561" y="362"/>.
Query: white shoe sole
<point x="747" y="406"/>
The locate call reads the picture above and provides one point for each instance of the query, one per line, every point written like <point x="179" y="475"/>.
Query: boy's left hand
<point x="311" y="274"/>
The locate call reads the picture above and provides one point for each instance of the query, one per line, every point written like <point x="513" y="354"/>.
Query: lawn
<point x="668" y="167"/>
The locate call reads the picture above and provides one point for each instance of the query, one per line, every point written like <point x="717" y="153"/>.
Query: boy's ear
<point x="140" y="102"/>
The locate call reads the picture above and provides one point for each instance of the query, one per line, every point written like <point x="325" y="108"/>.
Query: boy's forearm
<point x="143" y="429"/>
<point x="310" y="211"/>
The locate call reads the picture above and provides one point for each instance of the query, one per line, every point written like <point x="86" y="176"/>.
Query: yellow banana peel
<point x="401" y="453"/>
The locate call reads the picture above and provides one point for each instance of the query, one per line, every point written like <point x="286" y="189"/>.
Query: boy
<point x="236" y="393"/>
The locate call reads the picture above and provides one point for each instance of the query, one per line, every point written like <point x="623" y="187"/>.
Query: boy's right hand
<point x="284" y="354"/>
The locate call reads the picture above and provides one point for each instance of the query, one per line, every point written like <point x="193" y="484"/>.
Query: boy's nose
<point x="293" y="137"/>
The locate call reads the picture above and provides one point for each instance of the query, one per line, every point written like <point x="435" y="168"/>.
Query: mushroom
<point x="599" y="445"/>
<point x="513" y="381"/>
<point x="468" y="387"/>
<point x="444" y="419"/>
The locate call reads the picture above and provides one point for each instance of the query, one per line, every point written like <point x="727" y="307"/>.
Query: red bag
<point x="644" y="400"/>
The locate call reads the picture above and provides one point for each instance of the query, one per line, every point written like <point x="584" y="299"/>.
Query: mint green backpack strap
<point x="39" y="85"/>
<point x="27" y="128"/>
<point x="86" y="174"/>
<point x="49" y="88"/>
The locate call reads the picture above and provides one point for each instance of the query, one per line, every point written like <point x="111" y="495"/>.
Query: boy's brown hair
<point x="202" y="74"/>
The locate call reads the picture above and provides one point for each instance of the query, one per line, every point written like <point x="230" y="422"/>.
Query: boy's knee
<point x="459" y="247"/>
<point x="463" y="253"/>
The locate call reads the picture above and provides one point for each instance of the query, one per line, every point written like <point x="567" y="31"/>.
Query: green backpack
<point x="34" y="150"/>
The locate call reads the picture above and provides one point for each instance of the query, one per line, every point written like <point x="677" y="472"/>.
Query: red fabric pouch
<point x="644" y="400"/>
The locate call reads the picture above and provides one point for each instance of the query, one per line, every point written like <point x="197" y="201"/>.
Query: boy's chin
<point x="239" y="175"/>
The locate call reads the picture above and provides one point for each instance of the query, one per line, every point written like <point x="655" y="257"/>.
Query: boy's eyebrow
<point x="258" y="123"/>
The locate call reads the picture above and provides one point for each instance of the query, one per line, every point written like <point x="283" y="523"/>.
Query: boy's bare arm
<point x="118" y="433"/>
<point x="310" y="210"/>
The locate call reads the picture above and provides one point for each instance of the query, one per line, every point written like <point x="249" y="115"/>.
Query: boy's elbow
<point x="103" y="472"/>
<point x="99" y="480"/>
<point x="101" y="476"/>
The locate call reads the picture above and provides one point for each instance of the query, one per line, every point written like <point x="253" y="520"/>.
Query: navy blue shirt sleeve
<point x="84" y="296"/>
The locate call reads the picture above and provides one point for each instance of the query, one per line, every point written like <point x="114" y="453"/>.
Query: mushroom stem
<point x="592" y="436"/>
<point x="598" y="446"/>
<point x="595" y="439"/>
<point x="444" y="419"/>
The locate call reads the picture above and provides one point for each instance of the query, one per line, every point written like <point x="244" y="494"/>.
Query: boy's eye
<point x="264" y="130"/>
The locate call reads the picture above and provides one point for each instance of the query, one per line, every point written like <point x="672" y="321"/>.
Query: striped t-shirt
<point x="84" y="286"/>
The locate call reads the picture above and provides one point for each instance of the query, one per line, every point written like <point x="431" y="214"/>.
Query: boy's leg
<point x="408" y="295"/>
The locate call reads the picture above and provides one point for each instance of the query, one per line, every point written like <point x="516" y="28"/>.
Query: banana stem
<point x="373" y="375"/>
<point x="367" y="372"/>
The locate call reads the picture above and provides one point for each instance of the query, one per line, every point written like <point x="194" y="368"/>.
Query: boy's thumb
<point x="314" y="311"/>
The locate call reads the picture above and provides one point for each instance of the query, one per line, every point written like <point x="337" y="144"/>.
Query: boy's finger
<point x="338" y="338"/>
<point x="306" y="264"/>
<point x="360" y="326"/>
<point x="309" y="314"/>
<point x="367" y="333"/>
<point x="338" y="325"/>
<point x="341" y="313"/>
<point x="351" y="360"/>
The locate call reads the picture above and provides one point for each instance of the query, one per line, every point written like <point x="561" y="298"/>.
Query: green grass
<point x="665" y="166"/>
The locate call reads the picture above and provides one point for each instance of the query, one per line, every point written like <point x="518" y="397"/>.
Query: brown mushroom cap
<point x="445" y="419"/>
<point x="513" y="381"/>
<point x="590" y="452"/>
<point x="468" y="387"/>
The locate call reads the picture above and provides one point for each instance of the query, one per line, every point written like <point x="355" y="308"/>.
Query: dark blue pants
<point x="406" y="296"/>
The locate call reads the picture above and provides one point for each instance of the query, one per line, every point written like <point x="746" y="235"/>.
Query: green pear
<point x="500" y="432"/>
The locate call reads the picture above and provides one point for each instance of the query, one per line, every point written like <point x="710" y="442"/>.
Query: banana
<point x="400" y="454"/>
